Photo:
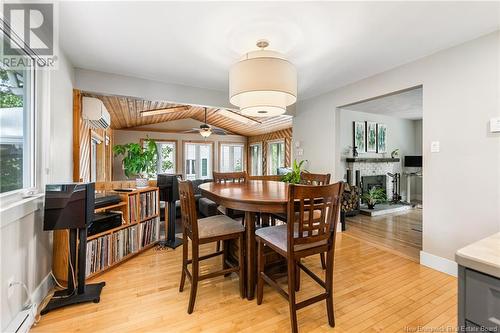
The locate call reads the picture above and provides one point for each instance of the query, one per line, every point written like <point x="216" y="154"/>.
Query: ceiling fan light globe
<point x="205" y="133"/>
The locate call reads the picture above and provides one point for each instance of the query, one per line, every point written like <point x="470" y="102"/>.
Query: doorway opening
<point x="380" y="140"/>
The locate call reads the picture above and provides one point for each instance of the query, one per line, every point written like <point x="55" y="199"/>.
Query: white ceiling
<point x="331" y="43"/>
<point x="406" y="104"/>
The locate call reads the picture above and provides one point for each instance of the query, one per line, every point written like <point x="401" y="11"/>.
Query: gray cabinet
<point x="478" y="301"/>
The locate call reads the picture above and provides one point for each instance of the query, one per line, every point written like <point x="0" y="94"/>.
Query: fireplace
<point x="369" y="182"/>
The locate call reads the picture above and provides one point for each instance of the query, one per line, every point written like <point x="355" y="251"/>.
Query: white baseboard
<point x="439" y="263"/>
<point x="23" y="321"/>
<point x="339" y="227"/>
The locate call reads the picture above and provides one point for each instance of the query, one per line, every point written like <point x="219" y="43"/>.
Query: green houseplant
<point x="374" y="196"/>
<point x="138" y="161"/>
<point x="293" y="177"/>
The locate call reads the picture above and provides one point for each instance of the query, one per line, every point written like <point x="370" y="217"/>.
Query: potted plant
<point x="374" y="196"/>
<point x="138" y="161"/>
<point x="293" y="177"/>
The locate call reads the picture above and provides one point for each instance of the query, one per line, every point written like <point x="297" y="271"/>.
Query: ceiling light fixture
<point x="263" y="83"/>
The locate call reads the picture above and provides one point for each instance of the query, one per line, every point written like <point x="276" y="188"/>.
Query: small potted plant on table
<point x="374" y="196"/>
<point x="138" y="161"/>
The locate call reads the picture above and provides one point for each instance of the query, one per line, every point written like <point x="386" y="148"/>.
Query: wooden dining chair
<point x="304" y="235"/>
<point x="202" y="231"/>
<point x="230" y="177"/>
<point x="307" y="178"/>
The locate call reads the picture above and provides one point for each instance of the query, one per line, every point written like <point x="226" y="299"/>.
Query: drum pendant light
<point x="263" y="83"/>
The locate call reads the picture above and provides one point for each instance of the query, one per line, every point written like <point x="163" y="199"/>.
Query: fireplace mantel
<point x="371" y="160"/>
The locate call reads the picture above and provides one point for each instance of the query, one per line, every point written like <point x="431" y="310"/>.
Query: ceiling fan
<point x="205" y="130"/>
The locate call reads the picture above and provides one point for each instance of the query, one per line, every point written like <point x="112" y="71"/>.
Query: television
<point x="68" y="206"/>
<point x="413" y="161"/>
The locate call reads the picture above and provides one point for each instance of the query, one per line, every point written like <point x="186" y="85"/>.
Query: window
<point x="256" y="159"/>
<point x="166" y="161"/>
<point x="231" y="157"/>
<point x="275" y="156"/>
<point x="198" y="160"/>
<point x="17" y="134"/>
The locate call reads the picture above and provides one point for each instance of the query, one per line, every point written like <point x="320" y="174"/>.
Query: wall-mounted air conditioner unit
<point x="95" y="112"/>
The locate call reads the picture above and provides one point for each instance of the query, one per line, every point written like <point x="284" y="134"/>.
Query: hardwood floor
<point x="375" y="291"/>
<point x="398" y="232"/>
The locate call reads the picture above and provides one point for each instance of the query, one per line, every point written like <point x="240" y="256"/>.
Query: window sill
<point x="19" y="209"/>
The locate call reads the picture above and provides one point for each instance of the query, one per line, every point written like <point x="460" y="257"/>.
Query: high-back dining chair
<point x="312" y="216"/>
<point x="233" y="177"/>
<point x="202" y="231"/>
<point x="307" y="178"/>
<point x="230" y="177"/>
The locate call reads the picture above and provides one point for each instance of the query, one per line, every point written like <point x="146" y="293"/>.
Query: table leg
<point x="250" y="253"/>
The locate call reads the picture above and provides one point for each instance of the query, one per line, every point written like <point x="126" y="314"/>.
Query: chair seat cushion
<point x="207" y="207"/>
<point x="218" y="225"/>
<point x="277" y="236"/>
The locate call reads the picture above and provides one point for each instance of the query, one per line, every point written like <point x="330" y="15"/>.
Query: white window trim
<point x="211" y="162"/>
<point x="261" y="145"/>
<point x="268" y="143"/>
<point x="233" y="144"/>
<point x="17" y="199"/>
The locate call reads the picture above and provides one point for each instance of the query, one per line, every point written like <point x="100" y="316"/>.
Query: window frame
<point x="176" y="149"/>
<point x="184" y="142"/>
<point x="31" y="132"/>
<point x="261" y="163"/>
<point x="268" y="152"/>
<point x="239" y="144"/>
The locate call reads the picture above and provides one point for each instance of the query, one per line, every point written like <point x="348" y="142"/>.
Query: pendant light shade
<point x="263" y="83"/>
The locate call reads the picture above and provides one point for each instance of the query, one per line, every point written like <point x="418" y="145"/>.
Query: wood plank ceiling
<point x="125" y="113"/>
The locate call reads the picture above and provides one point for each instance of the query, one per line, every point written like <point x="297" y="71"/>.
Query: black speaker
<point x="168" y="185"/>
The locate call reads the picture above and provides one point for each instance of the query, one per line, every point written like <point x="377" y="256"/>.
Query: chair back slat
<point x="313" y="212"/>
<point x="307" y="178"/>
<point x="189" y="215"/>
<point x="230" y="177"/>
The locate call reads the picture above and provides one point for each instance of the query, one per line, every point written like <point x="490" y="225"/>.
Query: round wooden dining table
<point x="253" y="196"/>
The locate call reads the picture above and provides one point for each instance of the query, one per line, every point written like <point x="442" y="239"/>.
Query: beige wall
<point x="127" y="136"/>
<point x="460" y="95"/>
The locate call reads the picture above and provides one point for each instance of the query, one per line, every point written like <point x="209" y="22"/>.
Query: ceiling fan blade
<point x="192" y="130"/>
<point x="219" y="131"/>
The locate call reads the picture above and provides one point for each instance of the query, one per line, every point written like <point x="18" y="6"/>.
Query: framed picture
<point x="381" y="138"/>
<point x="371" y="137"/>
<point x="359" y="136"/>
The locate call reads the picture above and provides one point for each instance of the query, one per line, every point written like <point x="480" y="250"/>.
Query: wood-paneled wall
<point x="82" y="138"/>
<point x="285" y="134"/>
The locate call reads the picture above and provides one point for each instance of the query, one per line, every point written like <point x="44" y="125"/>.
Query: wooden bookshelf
<point x="139" y="202"/>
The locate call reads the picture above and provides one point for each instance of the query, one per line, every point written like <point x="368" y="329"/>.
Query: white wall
<point x="113" y="84"/>
<point x="26" y="250"/>
<point x="124" y="136"/>
<point x="460" y="95"/>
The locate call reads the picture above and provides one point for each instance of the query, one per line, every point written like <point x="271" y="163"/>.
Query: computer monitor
<point x="68" y="206"/>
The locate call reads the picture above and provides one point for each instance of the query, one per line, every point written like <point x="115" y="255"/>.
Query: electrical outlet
<point x="10" y="287"/>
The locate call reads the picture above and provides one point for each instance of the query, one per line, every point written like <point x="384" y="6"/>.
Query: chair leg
<point x="297" y="276"/>
<point x="329" y="289"/>
<point x="218" y="246"/>
<point x="322" y="257"/>
<point x="273" y="221"/>
<point x="184" y="260"/>
<point x="225" y="254"/>
<point x="260" y="269"/>
<point x="291" y="295"/>
<point x="194" y="282"/>
<point x="241" y="263"/>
